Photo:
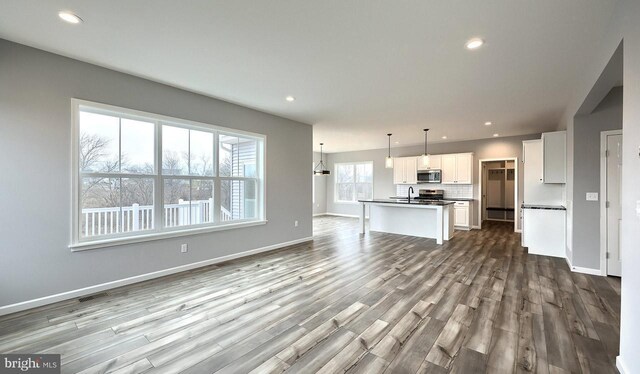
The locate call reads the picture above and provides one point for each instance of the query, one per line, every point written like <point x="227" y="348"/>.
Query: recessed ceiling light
<point x="397" y="142"/>
<point x="444" y="137"/>
<point x="474" y="43"/>
<point x="488" y="123"/>
<point x="496" y="135"/>
<point x="290" y="98"/>
<point x="69" y="17"/>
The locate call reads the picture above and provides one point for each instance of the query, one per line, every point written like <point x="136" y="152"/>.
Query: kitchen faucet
<point x="409" y="192"/>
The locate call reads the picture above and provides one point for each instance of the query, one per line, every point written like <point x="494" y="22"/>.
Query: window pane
<point x="137" y="204"/>
<point x="137" y="146"/>
<point x="364" y="173"/>
<point x="345" y="173"/>
<point x="345" y="192"/>
<point x="100" y="207"/>
<point x="176" y="202"/>
<point x="237" y="156"/>
<point x="364" y="191"/>
<point x="201" y="153"/>
<point x="175" y="150"/>
<point x="98" y="143"/>
<point x="238" y="200"/>
<point x="202" y="208"/>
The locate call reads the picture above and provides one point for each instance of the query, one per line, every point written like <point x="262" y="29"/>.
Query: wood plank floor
<point x="377" y="303"/>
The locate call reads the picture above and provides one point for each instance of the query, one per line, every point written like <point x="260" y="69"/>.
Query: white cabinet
<point x="405" y="170"/>
<point x="462" y="215"/>
<point x="554" y="152"/>
<point x="457" y="168"/>
<point x="535" y="190"/>
<point x="435" y="162"/>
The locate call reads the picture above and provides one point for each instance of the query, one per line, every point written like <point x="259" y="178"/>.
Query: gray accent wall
<point x="36" y="88"/>
<point x="383" y="186"/>
<point x="586" y="176"/>
<point x="623" y="27"/>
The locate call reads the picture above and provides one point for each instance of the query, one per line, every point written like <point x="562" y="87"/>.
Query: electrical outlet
<point x="592" y="196"/>
<point x="295" y="223"/>
<point x="184" y="248"/>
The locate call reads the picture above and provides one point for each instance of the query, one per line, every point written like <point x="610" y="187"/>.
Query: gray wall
<point x="35" y="159"/>
<point x="383" y="186"/>
<point x="320" y="205"/>
<point x="624" y="25"/>
<point x="586" y="176"/>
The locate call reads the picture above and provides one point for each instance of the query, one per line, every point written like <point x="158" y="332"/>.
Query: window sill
<point x="83" y="246"/>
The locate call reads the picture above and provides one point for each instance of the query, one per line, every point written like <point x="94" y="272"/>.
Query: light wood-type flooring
<point x="344" y="303"/>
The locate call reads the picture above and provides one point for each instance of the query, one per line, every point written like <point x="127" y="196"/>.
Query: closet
<point x="498" y="185"/>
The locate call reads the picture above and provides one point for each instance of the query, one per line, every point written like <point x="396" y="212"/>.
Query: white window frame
<point x="159" y="231"/>
<point x="335" y="181"/>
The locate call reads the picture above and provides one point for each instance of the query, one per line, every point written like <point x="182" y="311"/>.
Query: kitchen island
<point x="426" y="219"/>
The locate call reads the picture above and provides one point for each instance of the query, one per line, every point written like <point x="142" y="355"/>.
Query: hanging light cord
<point x="425" y="140"/>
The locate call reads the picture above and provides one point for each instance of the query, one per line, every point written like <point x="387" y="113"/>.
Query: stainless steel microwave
<point x="430" y="176"/>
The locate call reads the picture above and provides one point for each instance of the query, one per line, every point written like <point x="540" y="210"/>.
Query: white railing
<point x="104" y="221"/>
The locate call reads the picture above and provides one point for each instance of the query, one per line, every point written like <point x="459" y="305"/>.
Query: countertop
<point x="543" y="207"/>
<point x="411" y="202"/>
<point x="446" y="198"/>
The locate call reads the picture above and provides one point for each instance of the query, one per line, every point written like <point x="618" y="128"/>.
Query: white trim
<point x="516" y="209"/>
<point x="578" y="269"/>
<point x="83" y="246"/>
<point x="603" y="198"/>
<point x="476" y="227"/>
<point x="620" y="366"/>
<point x="319" y="214"/>
<point x="159" y="231"/>
<point x="24" y="305"/>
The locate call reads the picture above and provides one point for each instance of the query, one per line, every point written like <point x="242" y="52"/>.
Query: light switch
<point x="592" y="196"/>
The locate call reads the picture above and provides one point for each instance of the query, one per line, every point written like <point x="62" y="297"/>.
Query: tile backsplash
<point x="450" y="190"/>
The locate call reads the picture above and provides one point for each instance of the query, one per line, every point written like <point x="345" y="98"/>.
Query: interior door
<point x="613" y="212"/>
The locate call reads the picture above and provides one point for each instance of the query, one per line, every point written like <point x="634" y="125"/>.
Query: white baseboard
<point x="24" y="305"/>
<point x="578" y="269"/>
<point x="621" y="367"/>
<point x="476" y="227"/>
<point x="319" y="214"/>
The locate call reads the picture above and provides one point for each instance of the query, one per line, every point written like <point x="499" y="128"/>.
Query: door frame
<point x="603" y="198"/>
<point x="516" y="209"/>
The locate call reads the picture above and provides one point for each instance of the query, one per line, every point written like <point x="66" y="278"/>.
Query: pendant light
<point x="320" y="168"/>
<point x="424" y="159"/>
<point x="388" y="161"/>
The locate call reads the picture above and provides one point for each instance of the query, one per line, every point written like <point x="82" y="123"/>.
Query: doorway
<point x="498" y="190"/>
<point x="610" y="202"/>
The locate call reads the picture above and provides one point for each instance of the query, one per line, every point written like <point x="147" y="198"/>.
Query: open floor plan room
<point x="374" y="304"/>
<point x="214" y="186"/>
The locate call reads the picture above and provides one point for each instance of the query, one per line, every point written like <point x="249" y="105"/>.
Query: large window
<point x="140" y="174"/>
<point x="354" y="181"/>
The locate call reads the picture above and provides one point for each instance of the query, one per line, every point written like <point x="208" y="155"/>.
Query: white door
<point x="463" y="168"/>
<point x="613" y="215"/>
<point x="411" y="170"/>
<point x="449" y="169"/>
<point x="398" y="171"/>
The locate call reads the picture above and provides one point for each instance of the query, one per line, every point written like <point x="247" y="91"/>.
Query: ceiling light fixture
<point x="488" y="123"/>
<point x="290" y="98"/>
<point x="496" y="135"/>
<point x="424" y="160"/>
<point x="69" y="17"/>
<point x="320" y="168"/>
<point x="474" y="43"/>
<point x="388" y="161"/>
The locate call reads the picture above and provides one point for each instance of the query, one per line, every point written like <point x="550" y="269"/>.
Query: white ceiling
<point x="358" y="69"/>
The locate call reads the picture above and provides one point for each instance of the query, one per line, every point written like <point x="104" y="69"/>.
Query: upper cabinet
<point x="554" y="152"/>
<point x="457" y="168"/>
<point x="405" y="170"/>
<point x="435" y="162"/>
